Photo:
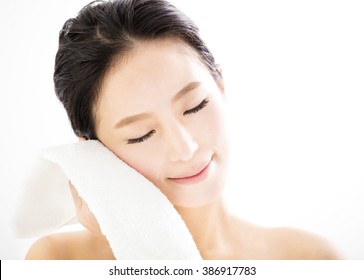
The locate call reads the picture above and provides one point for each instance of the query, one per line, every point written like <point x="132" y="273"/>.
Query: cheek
<point x="212" y="128"/>
<point x="142" y="160"/>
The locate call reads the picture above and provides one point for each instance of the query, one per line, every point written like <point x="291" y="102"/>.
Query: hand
<point x="84" y="215"/>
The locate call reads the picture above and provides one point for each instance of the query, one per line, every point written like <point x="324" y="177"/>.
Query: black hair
<point x="104" y="30"/>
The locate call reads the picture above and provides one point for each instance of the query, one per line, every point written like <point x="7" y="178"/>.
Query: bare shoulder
<point x="289" y="243"/>
<point x="49" y="248"/>
<point x="69" y="246"/>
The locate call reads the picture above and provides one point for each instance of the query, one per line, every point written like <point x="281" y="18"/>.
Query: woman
<point x="135" y="75"/>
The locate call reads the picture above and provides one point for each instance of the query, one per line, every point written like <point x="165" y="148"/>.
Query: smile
<point x="195" y="178"/>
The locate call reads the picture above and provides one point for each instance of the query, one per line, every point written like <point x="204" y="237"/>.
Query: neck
<point x="207" y="225"/>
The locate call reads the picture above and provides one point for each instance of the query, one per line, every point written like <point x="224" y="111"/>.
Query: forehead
<point x="148" y="60"/>
<point x="150" y="69"/>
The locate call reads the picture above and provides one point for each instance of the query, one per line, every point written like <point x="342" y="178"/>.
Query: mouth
<point x="194" y="178"/>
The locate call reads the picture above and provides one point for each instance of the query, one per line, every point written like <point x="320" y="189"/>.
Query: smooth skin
<point x="161" y="111"/>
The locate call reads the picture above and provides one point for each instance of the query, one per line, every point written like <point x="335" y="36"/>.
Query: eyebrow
<point x="186" y="89"/>
<point x="189" y="87"/>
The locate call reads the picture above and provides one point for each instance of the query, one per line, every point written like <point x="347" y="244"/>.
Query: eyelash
<point x="150" y="133"/>
<point x="141" y="139"/>
<point x="197" y="108"/>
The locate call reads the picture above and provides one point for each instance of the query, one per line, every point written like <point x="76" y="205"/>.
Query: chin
<point x="197" y="197"/>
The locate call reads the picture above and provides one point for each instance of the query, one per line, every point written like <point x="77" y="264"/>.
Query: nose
<point x="181" y="144"/>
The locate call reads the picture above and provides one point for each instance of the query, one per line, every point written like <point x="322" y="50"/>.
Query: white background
<point x="294" y="73"/>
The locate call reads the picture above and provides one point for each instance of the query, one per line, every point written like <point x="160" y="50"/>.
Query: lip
<point x="195" y="178"/>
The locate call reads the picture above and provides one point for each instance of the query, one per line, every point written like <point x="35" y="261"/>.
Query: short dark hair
<point x="104" y="30"/>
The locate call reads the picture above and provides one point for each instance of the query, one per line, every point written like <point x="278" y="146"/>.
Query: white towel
<point x="135" y="216"/>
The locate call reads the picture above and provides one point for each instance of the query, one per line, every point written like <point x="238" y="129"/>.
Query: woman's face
<point x="161" y="111"/>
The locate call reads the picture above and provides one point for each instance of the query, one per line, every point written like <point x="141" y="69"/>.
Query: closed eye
<point x="197" y="108"/>
<point x="141" y="139"/>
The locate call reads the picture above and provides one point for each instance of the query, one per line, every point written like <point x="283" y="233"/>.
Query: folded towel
<point x="135" y="216"/>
